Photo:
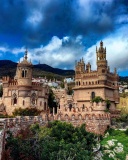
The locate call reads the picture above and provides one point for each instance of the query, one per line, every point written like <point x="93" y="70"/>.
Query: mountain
<point x="8" y="67"/>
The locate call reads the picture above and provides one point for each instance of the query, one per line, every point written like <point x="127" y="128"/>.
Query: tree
<point x="57" y="141"/>
<point x="51" y="100"/>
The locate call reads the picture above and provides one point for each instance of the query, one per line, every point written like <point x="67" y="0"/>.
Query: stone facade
<point x="78" y="108"/>
<point x="21" y="91"/>
<point x="101" y="82"/>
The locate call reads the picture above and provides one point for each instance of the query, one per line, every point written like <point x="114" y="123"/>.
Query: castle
<point x="21" y="91"/>
<point x="77" y="108"/>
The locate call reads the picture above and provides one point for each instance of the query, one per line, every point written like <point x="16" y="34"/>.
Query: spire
<point x="25" y="57"/>
<point x="101" y="44"/>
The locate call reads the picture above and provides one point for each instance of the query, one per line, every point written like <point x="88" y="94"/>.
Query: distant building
<point x="22" y="91"/>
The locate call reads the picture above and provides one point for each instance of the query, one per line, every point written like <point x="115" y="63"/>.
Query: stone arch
<point x="93" y="116"/>
<point x="80" y="116"/>
<point x="73" y="117"/>
<point x="66" y="117"/>
<point x="86" y="117"/>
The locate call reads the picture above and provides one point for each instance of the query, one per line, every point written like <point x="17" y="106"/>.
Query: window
<point x="70" y="107"/>
<point x="23" y="102"/>
<point x="92" y="95"/>
<point x="24" y="73"/>
<point x="33" y="99"/>
<point x="44" y="105"/>
<point x="14" y="101"/>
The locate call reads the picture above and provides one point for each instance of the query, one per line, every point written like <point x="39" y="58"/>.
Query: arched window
<point x="33" y="99"/>
<point x="23" y="102"/>
<point x="93" y="95"/>
<point x="70" y="107"/>
<point x="22" y="73"/>
<point x="14" y="99"/>
<point x="83" y="106"/>
<point x="25" y="74"/>
<point x="40" y="103"/>
<point x="45" y="106"/>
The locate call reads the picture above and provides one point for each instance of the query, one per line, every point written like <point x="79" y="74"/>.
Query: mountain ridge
<point x="8" y="67"/>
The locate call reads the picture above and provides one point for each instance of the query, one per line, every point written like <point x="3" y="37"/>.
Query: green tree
<point x="57" y="141"/>
<point x="52" y="100"/>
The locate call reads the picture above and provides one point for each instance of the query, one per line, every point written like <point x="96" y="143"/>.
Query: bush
<point x="26" y="112"/>
<point x="97" y="99"/>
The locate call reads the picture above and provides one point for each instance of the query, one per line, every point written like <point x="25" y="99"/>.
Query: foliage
<point x="5" y="116"/>
<point x="26" y="112"/>
<point x="97" y="99"/>
<point x="57" y="141"/>
<point x="51" y="100"/>
<point x="115" y="145"/>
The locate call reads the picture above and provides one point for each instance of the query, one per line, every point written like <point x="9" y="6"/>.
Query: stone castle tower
<point x="24" y="72"/>
<point x="21" y="91"/>
<point x="100" y="82"/>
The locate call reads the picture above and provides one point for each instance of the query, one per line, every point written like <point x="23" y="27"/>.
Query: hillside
<point x="8" y="67"/>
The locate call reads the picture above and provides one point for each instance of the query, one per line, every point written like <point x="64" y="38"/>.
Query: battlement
<point x="36" y="84"/>
<point x="13" y="82"/>
<point x="6" y="78"/>
<point x="101" y="106"/>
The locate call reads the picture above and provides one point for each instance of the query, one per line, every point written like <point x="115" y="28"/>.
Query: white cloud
<point x="35" y="18"/>
<point x="117" y="50"/>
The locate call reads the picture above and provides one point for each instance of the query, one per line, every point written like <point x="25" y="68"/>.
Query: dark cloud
<point x="36" y="21"/>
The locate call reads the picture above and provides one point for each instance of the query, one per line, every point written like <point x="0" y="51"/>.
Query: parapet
<point x="6" y="78"/>
<point x="101" y="106"/>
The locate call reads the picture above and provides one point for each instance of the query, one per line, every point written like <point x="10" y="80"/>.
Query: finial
<point x="25" y="57"/>
<point x="101" y="43"/>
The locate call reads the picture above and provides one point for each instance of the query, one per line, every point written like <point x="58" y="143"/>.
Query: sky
<point x="58" y="32"/>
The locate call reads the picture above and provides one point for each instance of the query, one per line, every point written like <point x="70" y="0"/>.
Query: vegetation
<point x="52" y="100"/>
<point x="26" y="112"/>
<point x="97" y="99"/>
<point x="57" y="141"/>
<point x="115" y="145"/>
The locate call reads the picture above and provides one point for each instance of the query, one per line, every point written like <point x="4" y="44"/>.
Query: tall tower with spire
<point x="24" y="72"/>
<point x="101" y="59"/>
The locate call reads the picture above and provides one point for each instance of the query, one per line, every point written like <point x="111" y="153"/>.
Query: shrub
<point x="26" y="112"/>
<point x="97" y="99"/>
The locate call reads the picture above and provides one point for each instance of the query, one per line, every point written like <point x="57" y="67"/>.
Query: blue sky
<point x="58" y="32"/>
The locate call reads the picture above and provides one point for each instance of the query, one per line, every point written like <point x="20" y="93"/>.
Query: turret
<point x="80" y="66"/>
<point x="24" y="72"/>
<point x="101" y="59"/>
